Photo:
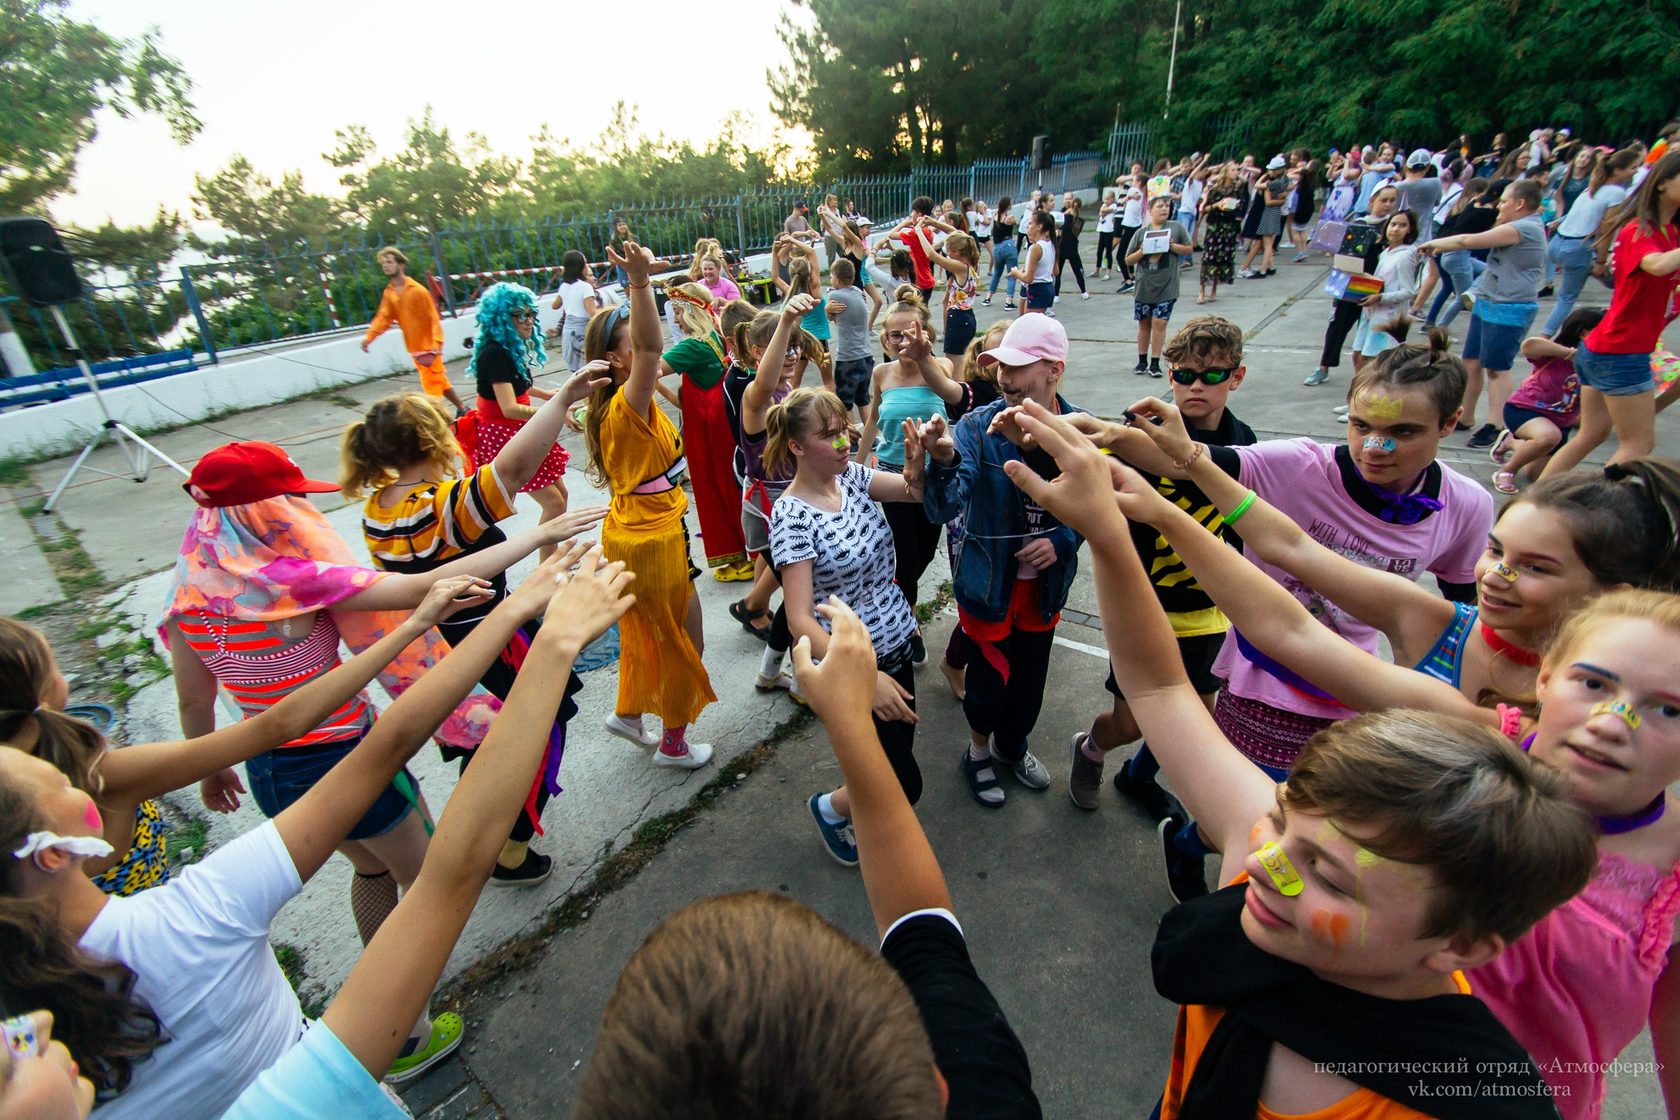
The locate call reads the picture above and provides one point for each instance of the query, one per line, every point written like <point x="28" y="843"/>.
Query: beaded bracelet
<point x="1242" y="508"/>
<point x="1190" y="461"/>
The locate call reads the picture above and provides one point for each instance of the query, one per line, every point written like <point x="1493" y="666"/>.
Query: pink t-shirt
<point x="1302" y="478"/>
<point x="1552" y="387"/>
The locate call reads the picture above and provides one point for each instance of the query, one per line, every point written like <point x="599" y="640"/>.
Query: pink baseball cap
<point x="1031" y="338"/>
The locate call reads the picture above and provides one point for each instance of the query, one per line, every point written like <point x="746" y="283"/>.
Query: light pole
<point x="1172" y="59"/>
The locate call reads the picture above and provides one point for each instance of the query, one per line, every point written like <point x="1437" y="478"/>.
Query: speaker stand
<point x="135" y="448"/>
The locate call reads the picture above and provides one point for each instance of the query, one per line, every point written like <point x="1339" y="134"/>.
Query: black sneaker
<point x="1151" y="800"/>
<point x="1484" y="435"/>
<point x="528" y="874"/>
<point x="1142" y="367"/>
<point x="1155" y="367"/>
<point x="1185" y="876"/>
<point x="918" y="651"/>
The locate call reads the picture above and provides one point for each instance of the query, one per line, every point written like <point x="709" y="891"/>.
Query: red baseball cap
<point x="236" y="473"/>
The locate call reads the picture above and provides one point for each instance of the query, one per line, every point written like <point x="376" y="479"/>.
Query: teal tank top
<point x="909" y="402"/>
<point x="816" y="320"/>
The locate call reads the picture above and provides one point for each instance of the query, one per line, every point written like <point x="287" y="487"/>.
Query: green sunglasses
<point x="1205" y="376"/>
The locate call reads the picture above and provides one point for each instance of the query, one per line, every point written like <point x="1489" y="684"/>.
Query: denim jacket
<point x="975" y="486"/>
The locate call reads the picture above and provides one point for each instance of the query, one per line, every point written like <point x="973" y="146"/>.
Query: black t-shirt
<point x="1175" y="584"/>
<point x="735" y="381"/>
<point x="982" y="1060"/>
<point x="494" y="364"/>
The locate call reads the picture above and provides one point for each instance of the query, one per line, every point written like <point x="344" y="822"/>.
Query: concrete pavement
<point x="1059" y="905"/>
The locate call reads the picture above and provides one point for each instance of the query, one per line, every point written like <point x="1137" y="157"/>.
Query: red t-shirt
<point x="918" y="253"/>
<point x="1641" y="304"/>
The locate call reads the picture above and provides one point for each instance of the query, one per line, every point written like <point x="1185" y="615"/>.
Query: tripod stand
<point x="135" y="448"/>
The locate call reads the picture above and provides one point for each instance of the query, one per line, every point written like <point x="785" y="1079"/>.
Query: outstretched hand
<point x="594" y="375"/>
<point x="588" y="600"/>
<point x="1082" y="495"/>
<point x="798" y="305"/>
<point x="1005" y="424"/>
<point x="636" y="261"/>
<point x="1170" y="435"/>
<point x="572" y="522"/>
<point x="842" y="688"/>
<point x="531" y="597"/>
<point x="915" y="346"/>
<point x="448" y="596"/>
<point x="933" y="437"/>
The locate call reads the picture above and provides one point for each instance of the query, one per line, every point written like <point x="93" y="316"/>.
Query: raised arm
<point x="316" y="823"/>
<point x="916" y="348"/>
<point x="520" y="457"/>
<point x="755" y="400"/>
<point x="900" y="873"/>
<point x="1226" y="793"/>
<point x="391" y="981"/>
<point x="153" y="769"/>
<point x="1411" y="616"/>
<point x="646" y="336"/>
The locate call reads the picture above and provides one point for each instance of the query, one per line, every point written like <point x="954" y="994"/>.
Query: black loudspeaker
<point x="39" y="263"/>
<point x="1041" y="153"/>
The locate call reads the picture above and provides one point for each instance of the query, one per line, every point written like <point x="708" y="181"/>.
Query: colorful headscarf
<point x="279" y="558"/>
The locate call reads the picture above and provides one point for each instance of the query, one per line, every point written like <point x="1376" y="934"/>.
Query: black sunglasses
<point x="1205" y="376"/>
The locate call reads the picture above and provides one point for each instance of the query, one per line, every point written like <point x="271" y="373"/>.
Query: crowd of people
<point x="1523" y="733"/>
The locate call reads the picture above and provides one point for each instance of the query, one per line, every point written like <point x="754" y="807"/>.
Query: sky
<point x="272" y="81"/>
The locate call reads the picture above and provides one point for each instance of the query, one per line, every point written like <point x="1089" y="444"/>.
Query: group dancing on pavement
<point x="1356" y="808"/>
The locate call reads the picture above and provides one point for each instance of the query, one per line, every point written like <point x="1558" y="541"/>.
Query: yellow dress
<point x="659" y="670"/>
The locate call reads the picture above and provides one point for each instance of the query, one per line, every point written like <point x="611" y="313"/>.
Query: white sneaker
<point x="1030" y="772"/>
<point x="698" y="755"/>
<point x="631" y="730"/>
<point x="1084" y="295"/>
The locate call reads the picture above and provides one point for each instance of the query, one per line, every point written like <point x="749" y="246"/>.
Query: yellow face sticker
<point x="1383" y="408"/>
<point x="1505" y="572"/>
<point x="1620" y="708"/>
<point x="1276" y="862"/>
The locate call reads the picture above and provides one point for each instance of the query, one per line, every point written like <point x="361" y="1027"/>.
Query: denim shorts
<point x="1161" y="311"/>
<point x="280" y="777"/>
<point x="959" y="332"/>
<point x="1515" y="416"/>
<point x="851" y="381"/>
<point x="1495" y="344"/>
<point x="1614" y="375"/>
<point x="1041" y="294"/>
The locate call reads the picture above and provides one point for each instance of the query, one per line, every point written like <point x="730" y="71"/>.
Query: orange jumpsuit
<point x="416" y="315"/>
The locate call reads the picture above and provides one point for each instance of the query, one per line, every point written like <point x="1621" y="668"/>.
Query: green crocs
<point x="446" y="1036"/>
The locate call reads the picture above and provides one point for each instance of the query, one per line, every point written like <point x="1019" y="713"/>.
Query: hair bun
<point x="908" y="293"/>
<point x="1440" y="342"/>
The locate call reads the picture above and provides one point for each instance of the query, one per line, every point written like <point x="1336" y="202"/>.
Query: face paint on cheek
<point x="1331" y="929"/>
<point x="1380" y="443"/>
<point x="1620" y="709"/>
<point x="1383" y="408"/>
<point x="92" y="817"/>
<point x="1255" y="833"/>
<point x="1276" y="862"/>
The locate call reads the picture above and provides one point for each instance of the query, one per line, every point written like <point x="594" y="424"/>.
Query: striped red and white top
<point x="259" y="668"/>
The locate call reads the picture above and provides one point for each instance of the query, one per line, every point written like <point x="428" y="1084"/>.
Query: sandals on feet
<point x="1505" y="482"/>
<point x="739" y="612"/>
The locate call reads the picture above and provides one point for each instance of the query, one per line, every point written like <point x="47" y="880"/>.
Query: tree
<point x="1444" y="67"/>
<point x="55" y="74"/>
<point x="429" y="185"/>
<point x="263" y="217"/>
<point x="883" y="86"/>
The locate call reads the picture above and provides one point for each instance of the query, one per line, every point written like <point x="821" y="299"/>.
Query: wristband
<point x="1190" y="460"/>
<point x="1242" y="508"/>
<point x="637" y="287"/>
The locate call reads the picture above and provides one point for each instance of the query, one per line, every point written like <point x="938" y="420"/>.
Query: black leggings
<point x="1122" y="247"/>
<point x="1008" y="712"/>
<point x="915" y="540"/>
<point x="1344" y="315"/>
<point x="898" y="739"/>
<point x="1070" y="255"/>
<point x="1105" y="249"/>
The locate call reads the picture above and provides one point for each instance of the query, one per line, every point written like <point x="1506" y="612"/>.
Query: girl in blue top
<point x="917" y="385"/>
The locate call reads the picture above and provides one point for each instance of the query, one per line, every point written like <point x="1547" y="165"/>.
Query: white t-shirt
<point x="1589" y="209"/>
<point x="199" y="949"/>
<point x="317" y="1077"/>
<point x="851" y="554"/>
<point x="1132" y="213"/>
<point x="1192" y="196"/>
<point x="572" y="298"/>
<point x="1105" y="217"/>
<point x="980" y="222"/>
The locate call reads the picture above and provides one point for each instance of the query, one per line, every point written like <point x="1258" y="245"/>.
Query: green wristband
<point x="1242" y="508"/>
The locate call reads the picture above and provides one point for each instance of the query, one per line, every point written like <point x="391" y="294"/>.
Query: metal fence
<point x="216" y="307"/>
<point x="1136" y="142"/>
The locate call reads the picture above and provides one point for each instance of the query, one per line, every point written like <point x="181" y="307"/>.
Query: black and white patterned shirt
<point x="851" y="554"/>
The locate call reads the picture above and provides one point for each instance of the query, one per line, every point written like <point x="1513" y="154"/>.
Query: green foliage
<point x="1443" y="67"/>
<point x="430" y="184"/>
<point x="885" y="86"/>
<point x="260" y="215"/>
<point x="55" y="74"/>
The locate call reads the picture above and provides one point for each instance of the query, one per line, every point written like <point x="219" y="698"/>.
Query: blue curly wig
<point x="494" y="322"/>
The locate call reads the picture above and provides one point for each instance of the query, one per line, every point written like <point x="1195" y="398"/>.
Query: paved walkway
<point x="1060" y="906"/>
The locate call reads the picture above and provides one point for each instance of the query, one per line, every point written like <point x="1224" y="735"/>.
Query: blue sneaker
<point x="1317" y="377"/>
<point x="838" y="839"/>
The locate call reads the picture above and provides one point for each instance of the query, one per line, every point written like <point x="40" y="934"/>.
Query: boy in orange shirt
<point x="1405" y="848"/>
<point x="409" y="304"/>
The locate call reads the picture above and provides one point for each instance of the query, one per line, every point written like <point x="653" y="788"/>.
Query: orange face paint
<point x="1254" y="835"/>
<point x="1332" y="929"/>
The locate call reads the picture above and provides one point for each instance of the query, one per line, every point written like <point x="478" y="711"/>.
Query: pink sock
<point x="674" y="742"/>
<point x="1090" y="750"/>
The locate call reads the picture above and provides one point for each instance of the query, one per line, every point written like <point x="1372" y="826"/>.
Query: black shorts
<point x="1198" y="653"/>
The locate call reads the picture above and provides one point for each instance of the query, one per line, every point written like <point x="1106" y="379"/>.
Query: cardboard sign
<point x="1157" y="241"/>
